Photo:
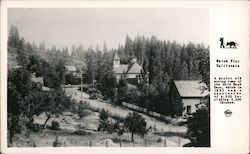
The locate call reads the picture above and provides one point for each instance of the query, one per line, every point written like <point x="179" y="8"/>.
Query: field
<point x="122" y="112"/>
<point x="161" y="134"/>
<point x="46" y="138"/>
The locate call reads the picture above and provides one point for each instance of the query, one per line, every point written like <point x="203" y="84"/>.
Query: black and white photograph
<point x="108" y="77"/>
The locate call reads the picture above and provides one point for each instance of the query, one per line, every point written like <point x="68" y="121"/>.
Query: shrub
<point x="104" y="123"/>
<point x="80" y="108"/>
<point x="182" y="123"/>
<point x="34" y="127"/>
<point x="119" y="127"/>
<point x="56" y="143"/>
<point x="80" y="132"/>
<point x="55" y="125"/>
<point x="167" y="121"/>
<point x="93" y="96"/>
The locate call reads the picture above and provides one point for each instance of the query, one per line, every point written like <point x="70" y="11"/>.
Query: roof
<point x="116" y="56"/>
<point x="71" y="68"/>
<point x="121" y="69"/>
<point x="134" y="68"/>
<point x="191" y="88"/>
<point x="45" y="88"/>
<point x="37" y="80"/>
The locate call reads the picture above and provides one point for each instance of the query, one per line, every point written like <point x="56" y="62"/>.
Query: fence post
<point x="133" y="144"/>
<point x="145" y="143"/>
<point x="120" y="143"/>
<point x="154" y="128"/>
<point x="179" y="142"/>
<point x="64" y="143"/>
<point x="90" y="143"/>
<point x="106" y="143"/>
<point x="165" y="142"/>
<point x="34" y="144"/>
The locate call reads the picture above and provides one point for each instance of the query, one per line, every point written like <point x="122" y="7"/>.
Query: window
<point x="188" y="109"/>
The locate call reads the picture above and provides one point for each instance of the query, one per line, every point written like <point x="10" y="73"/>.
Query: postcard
<point x="124" y="76"/>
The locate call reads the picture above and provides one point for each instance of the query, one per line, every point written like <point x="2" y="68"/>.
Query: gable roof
<point x="121" y="69"/>
<point x="191" y="88"/>
<point x="45" y="88"/>
<point x="38" y="80"/>
<point x="116" y="56"/>
<point x="134" y="68"/>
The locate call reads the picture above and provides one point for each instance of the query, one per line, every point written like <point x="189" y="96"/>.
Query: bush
<point x="81" y="108"/>
<point x="34" y="127"/>
<point x="182" y="123"/>
<point x="93" y="96"/>
<point x="55" y="125"/>
<point x="167" y="121"/>
<point x="104" y="123"/>
<point x="56" y="143"/>
<point x="80" y="132"/>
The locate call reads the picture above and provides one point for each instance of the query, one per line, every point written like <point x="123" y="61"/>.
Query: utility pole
<point x="93" y="79"/>
<point x="64" y="82"/>
<point x="81" y="85"/>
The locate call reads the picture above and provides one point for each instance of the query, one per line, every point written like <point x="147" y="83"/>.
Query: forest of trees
<point x="162" y="61"/>
<point x="25" y="97"/>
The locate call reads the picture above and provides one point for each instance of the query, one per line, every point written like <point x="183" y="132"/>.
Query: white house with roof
<point x="130" y="71"/>
<point x="189" y="93"/>
<point x="71" y="68"/>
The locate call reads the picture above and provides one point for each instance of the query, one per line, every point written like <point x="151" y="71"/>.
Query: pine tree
<point x="122" y="91"/>
<point x="13" y="38"/>
<point x="184" y="71"/>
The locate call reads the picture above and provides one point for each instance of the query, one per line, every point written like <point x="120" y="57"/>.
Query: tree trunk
<point x="44" y="125"/>
<point x="132" y="137"/>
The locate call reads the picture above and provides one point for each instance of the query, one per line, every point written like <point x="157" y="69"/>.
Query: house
<point x="189" y="93"/>
<point x="71" y="69"/>
<point x="39" y="80"/>
<point x="129" y="71"/>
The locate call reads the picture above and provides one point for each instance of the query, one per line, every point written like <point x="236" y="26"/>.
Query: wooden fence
<point x="145" y="143"/>
<point x="144" y="110"/>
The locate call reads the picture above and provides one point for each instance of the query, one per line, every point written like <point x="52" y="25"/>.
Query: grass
<point x="68" y="138"/>
<point x="46" y="138"/>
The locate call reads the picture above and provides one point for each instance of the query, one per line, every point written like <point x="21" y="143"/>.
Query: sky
<point x="93" y="26"/>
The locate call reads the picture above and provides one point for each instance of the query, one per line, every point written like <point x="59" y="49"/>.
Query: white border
<point x="227" y="135"/>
